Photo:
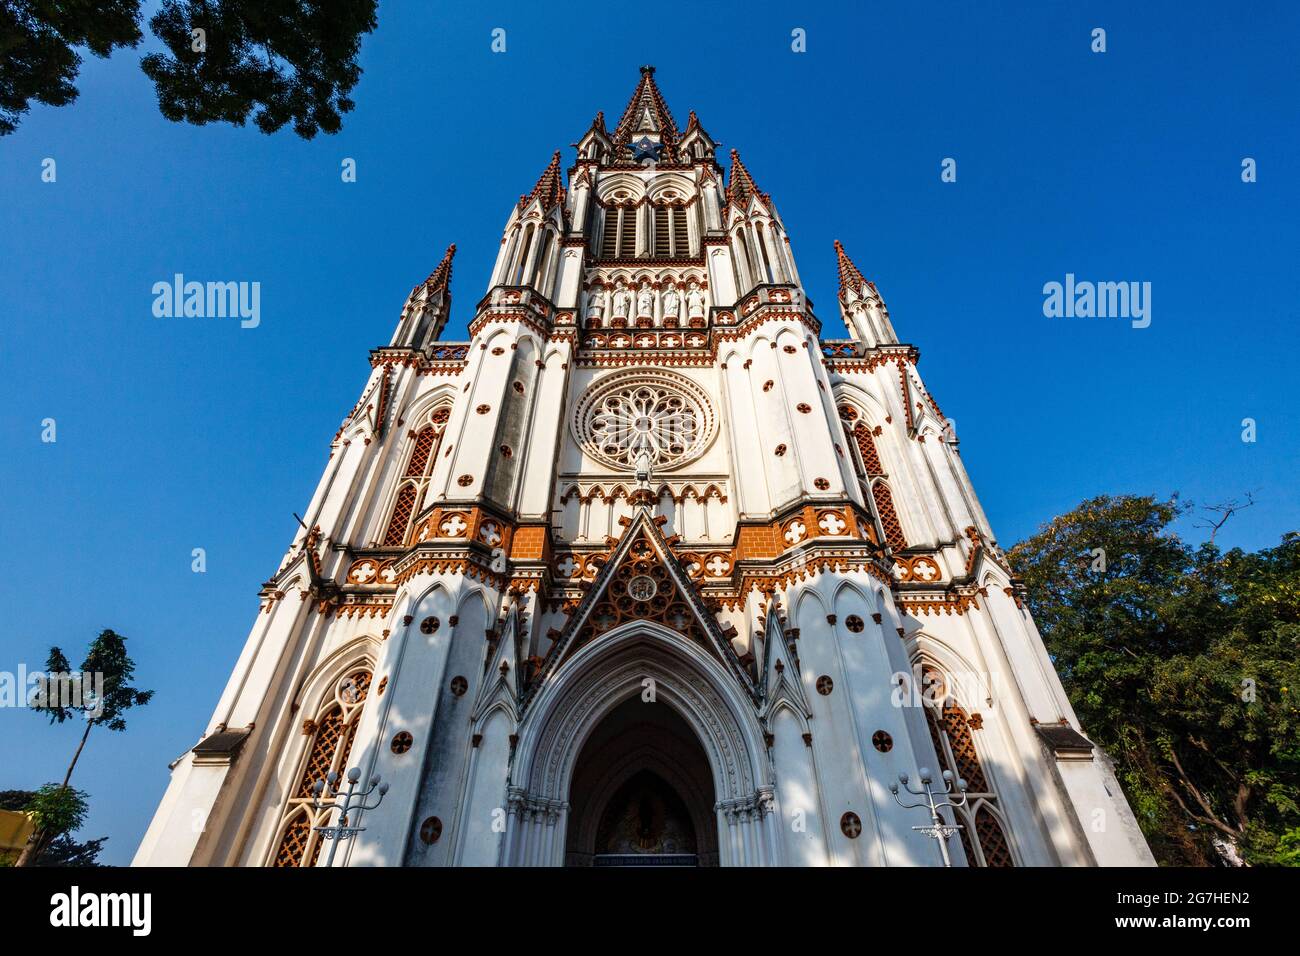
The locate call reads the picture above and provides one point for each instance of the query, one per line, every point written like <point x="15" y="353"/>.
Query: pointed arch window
<point x="871" y="473"/>
<point x="333" y="732"/>
<point x="982" y="834"/>
<point x="762" y="251"/>
<point x="744" y="263"/>
<point x="672" y="235"/>
<point x="619" y="238"/>
<point x="542" y="269"/>
<point x="522" y="262"/>
<point x="415" y="481"/>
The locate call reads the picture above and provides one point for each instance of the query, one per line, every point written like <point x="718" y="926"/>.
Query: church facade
<point x="646" y="573"/>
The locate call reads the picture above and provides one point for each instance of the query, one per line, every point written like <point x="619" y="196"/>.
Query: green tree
<point x="100" y="696"/>
<point x="38" y="59"/>
<point x="1180" y="660"/>
<point x="68" y="807"/>
<point x="276" y="61"/>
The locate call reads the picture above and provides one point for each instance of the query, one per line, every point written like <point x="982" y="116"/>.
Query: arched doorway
<point x="629" y="664"/>
<point x="642" y="793"/>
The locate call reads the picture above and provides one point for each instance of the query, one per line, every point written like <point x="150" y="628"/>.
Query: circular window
<point x="825" y="685"/>
<point x="644" y="417"/>
<point x="429" y="625"/>
<point x="642" y="588"/>
<point x="882" y="741"/>
<point x="431" y="830"/>
<point x="459" y="685"/>
<point x="850" y="825"/>
<point x="402" y="743"/>
<point x="854" y="623"/>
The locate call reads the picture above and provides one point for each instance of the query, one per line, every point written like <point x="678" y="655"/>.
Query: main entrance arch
<point x="694" y="753"/>
<point x="642" y="793"/>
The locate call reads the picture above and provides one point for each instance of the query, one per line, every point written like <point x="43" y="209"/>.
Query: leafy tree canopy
<point x="106" y="658"/>
<point x="275" y="61"/>
<point x="63" y="850"/>
<point x="38" y="59"/>
<point x="1181" y="662"/>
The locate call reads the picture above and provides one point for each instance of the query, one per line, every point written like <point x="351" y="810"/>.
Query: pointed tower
<point x="427" y="308"/>
<point x="861" y="307"/>
<point x="645" y="572"/>
<point x="647" y="129"/>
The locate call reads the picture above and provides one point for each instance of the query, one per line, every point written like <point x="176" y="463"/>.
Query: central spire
<point x="646" y="113"/>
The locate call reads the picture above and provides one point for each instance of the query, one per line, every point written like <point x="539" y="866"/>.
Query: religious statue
<point x="643" y="468"/>
<point x="596" y="306"/>
<point x="695" y="303"/>
<point x="645" y="303"/>
<point x="671" y="300"/>
<point x="622" y="302"/>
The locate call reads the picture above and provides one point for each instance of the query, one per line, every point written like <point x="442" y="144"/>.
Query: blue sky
<point x="182" y="433"/>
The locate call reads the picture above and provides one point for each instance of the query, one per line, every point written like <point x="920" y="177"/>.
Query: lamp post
<point x="352" y="801"/>
<point x="936" y="828"/>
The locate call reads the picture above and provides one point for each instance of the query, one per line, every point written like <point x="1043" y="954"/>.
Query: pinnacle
<point x="850" y="276"/>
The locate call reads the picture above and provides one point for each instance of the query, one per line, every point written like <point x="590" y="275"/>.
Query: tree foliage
<point x="279" y="61"/>
<point x="1181" y="662"/>
<point x="57" y="806"/>
<point x="38" y="40"/>
<point x="106" y="658"/>
<point x="274" y="61"/>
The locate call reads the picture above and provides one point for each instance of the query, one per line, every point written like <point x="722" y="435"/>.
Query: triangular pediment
<point x="642" y="581"/>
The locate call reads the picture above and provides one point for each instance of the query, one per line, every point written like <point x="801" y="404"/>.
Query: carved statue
<point x="695" y="303"/>
<point x="671" y="299"/>
<point x="622" y="302"/>
<point x="643" y="469"/>
<point x="645" y="302"/>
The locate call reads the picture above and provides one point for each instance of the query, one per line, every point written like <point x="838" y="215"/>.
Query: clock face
<point x="645" y="148"/>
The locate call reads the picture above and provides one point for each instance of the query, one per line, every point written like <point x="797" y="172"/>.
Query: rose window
<point x="658" y="419"/>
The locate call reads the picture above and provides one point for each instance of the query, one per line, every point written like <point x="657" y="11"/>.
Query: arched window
<point x="543" y="263"/>
<point x="415" y="481"/>
<point x="333" y="732"/>
<point x="744" y="264"/>
<point x="950" y="731"/>
<point x="672" y="235"/>
<point x="619" y="239"/>
<point x="762" y="250"/>
<point x="871" y="473"/>
<point x="524" y="248"/>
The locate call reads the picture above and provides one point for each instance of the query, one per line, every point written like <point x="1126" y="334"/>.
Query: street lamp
<point x="937" y="828"/>
<point x="352" y="800"/>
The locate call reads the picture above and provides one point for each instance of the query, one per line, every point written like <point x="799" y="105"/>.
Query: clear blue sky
<point x="182" y="433"/>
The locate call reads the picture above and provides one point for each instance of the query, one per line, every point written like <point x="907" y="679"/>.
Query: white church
<point x="647" y="573"/>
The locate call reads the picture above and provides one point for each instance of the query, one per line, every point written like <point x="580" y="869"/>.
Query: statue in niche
<point x="645" y="303"/>
<point x="671" y="300"/>
<point x="595" y="307"/>
<point x="622" y="301"/>
<point x="695" y="302"/>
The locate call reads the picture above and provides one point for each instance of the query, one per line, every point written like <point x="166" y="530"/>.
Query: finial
<point x="647" y="71"/>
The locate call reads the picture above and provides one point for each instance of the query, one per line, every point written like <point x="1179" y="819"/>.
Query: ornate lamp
<point x="352" y="801"/>
<point x="937" y="828"/>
